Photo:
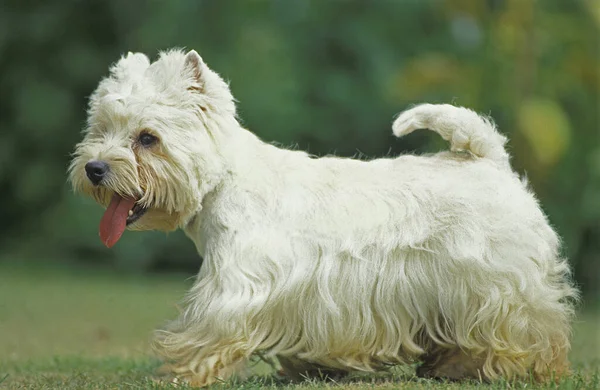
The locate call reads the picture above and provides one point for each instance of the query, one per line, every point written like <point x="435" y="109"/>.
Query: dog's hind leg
<point x="298" y="370"/>
<point x="457" y="364"/>
<point x="452" y="364"/>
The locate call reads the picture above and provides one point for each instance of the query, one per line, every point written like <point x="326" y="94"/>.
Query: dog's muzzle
<point x="96" y="171"/>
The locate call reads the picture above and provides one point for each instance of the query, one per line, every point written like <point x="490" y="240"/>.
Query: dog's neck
<point x="245" y="161"/>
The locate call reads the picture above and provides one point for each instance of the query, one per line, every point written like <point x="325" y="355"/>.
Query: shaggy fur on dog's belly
<point x="357" y="264"/>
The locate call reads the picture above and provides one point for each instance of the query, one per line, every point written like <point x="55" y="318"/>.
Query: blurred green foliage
<point x="325" y="76"/>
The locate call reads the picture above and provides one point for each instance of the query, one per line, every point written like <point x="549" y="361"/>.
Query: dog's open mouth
<point x="120" y="213"/>
<point x="135" y="213"/>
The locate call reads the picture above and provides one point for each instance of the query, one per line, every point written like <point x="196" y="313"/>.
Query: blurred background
<point x="323" y="76"/>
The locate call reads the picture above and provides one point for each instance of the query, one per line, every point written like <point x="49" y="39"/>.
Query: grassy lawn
<point x="89" y="329"/>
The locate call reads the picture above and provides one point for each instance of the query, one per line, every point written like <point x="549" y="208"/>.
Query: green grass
<point x="90" y="329"/>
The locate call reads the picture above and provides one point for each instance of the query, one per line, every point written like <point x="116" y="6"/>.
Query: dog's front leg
<point x="207" y="365"/>
<point x="210" y="341"/>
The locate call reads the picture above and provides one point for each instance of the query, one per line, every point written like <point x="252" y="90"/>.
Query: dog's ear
<point x="130" y="66"/>
<point x="193" y="62"/>
<point x="199" y="78"/>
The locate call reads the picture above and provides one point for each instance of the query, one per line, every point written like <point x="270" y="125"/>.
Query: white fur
<point x="336" y="262"/>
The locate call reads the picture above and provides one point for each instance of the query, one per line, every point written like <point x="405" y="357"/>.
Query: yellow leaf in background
<point x="547" y="128"/>
<point x="594" y="8"/>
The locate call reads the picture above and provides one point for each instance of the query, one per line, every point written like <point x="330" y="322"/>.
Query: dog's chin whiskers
<point x="99" y="195"/>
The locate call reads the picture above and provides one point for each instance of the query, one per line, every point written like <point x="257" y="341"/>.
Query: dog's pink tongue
<point x="114" y="219"/>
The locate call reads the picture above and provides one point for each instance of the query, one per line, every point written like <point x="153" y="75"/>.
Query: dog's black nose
<point x="96" y="170"/>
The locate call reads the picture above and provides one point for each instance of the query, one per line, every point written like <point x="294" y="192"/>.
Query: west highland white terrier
<point x="330" y="264"/>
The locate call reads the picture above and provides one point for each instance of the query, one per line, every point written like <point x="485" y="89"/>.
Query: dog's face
<point x="149" y="147"/>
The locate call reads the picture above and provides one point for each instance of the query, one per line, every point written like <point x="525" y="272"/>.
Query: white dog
<point x="328" y="263"/>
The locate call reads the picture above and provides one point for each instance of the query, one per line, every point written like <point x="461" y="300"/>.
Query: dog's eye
<point x="147" y="139"/>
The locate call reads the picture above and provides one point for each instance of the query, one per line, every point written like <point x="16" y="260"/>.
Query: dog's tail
<point x="463" y="128"/>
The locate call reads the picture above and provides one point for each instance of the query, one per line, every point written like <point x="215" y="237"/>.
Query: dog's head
<point x="150" y="148"/>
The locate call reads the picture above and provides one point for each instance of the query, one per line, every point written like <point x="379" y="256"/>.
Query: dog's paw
<point x="173" y="382"/>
